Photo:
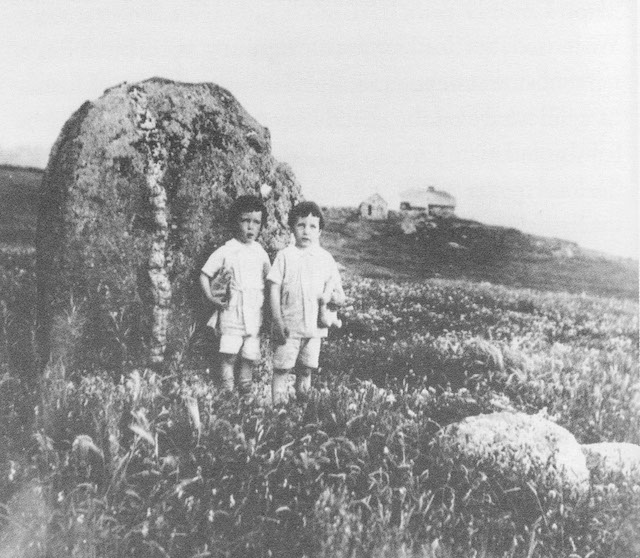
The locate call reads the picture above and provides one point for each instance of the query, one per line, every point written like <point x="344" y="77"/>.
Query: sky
<point x="526" y="112"/>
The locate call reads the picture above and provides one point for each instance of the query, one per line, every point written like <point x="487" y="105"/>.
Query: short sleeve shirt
<point x="249" y="265"/>
<point x="302" y="276"/>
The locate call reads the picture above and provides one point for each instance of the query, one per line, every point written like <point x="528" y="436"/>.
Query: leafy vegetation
<point x="139" y="464"/>
<point x="133" y="463"/>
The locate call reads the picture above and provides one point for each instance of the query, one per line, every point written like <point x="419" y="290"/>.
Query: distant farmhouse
<point x="374" y="208"/>
<point x="420" y="202"/>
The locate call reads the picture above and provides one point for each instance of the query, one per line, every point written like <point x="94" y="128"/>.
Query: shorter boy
<point x="233" y="279"/>
<point x="297" y="283"/>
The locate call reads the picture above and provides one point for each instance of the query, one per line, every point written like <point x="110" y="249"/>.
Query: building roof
<point x="375" y="199"/>
<point x="424" y="197"/>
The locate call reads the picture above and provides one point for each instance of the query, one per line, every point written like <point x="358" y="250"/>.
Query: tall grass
<point x="147" y="465"/>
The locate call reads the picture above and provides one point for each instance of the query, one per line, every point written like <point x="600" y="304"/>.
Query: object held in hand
<point x="221" y="285"/>
<point x="328" y="315"/>
<point x="328" y="308"/>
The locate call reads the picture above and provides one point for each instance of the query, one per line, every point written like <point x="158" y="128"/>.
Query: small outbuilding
<point x="429" y="202"/>
<point x="374" y="208"/>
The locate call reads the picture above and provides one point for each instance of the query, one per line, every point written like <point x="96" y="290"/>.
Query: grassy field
<point x="147" y="464"/>
<point x="18" y="194"/>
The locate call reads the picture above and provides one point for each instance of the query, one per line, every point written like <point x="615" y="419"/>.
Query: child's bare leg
<point x="245" y="376"/>
<point x="303" y="381"/>
<point x="279" y="386"/>
<point x="227" y="366"/>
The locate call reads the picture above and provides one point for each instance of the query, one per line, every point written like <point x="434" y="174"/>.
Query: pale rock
<point x="614" y="459"/>
<point x="522" y="448"/>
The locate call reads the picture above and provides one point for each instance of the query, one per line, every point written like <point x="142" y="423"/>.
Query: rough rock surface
<point x="519" y="448"/>
<point x="133" y="200"/>
<point x="613" y="459"/>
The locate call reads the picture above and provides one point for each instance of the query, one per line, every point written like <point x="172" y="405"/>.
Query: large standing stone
<point x="134" y="198"/>
<point x="519" y="448"/>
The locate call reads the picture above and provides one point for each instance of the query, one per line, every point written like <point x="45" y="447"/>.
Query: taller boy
<point x="297" y="280"/>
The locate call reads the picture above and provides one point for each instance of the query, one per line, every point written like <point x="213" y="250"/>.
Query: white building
<point x="429" y="202"/>
<point x="374" y="208"/>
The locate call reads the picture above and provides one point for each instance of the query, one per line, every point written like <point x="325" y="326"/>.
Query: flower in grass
<point x="12" y="471"/>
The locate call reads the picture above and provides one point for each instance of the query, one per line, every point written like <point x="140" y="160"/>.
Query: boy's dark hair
<point x="246" y="204"/>
<point x="304" y="209"/>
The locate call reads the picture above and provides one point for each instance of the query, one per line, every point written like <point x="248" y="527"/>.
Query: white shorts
<point x="231" y="345"/>
<point x="305" y="350"/>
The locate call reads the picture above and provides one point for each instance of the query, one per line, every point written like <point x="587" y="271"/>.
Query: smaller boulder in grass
<point x="614" y="459"/>
<point x="520" y="449"/>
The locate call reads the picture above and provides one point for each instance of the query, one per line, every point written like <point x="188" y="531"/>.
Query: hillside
<point x="18" y="198"/>
<point x="461" y="249"/>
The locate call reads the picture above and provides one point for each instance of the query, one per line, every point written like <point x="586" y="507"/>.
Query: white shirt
<point x="249" y="265"/>
<point x="302" y="276"/>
